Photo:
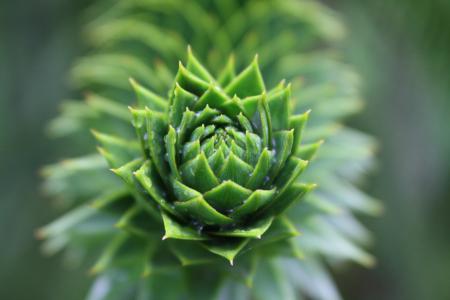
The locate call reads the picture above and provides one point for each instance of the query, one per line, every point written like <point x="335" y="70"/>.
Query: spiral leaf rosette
<point x="117" y="224"/>
<point x="219" y="160"/>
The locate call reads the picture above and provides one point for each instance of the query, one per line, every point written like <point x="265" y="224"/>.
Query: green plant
<point x="120" y="220"/>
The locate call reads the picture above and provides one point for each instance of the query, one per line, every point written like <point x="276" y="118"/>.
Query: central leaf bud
<point x="220" y="158"/>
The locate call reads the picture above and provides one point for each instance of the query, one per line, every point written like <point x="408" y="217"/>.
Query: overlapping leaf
<point x="127" y="37"/>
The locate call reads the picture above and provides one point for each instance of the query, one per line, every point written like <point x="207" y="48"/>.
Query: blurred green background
<point x="402" y="50"/>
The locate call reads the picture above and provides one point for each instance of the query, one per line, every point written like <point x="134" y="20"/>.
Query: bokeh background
<point x="402" y="51"/>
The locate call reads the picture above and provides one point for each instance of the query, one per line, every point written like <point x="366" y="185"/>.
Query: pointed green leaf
<point x="237" y="150"/>
<point x="110" y="159"/>
<point x="181" y="100"/>
<point x="257" y="200"/>
<point x="244" y="122"/>
<point x="147" y="98"/>
<point x="235" y="169"/>
<point x="222" y="120"/>
<point x="209" y="130"/>
<point x="253" y="231"/>
<point x="183" y="192"/>
<point x="199" y="209"/>
<point x="108" y="106"/>
<point x="283" y="141"/>
<point x="156" y="130"/>
<point x="214" y="97"/>
<point x="298" y="123"/>
<point x="288" y="196"/>
<point x="278" y="88"/>
<point x="139" y="123"/>
<point x="191" y="150"/>
<point x="248" y="83"/>
<point x="185" y="127"/>
<point x="226" y="196"/>
<point x="217" y="160"/>
<point x="201" y="132"/>
<point x="197" y="174"/>
<point x="233" y="107"/>
<point x="238" y="136"/>
<point x="126" y="171"/>
<point x="265" y="123"/>
<point x="227" y="248"/>
<point x="290" y="172"/>
<point x="206" y="114"/>
<point x="146" y="177"/>
<point x="259" y="175"/>
<point x="175" y="230"/>
<point x="253" y="147"/>
<point x="228" y="73"/>
<point x="197" y="68"/>
<point x="224" y="147"/>
<point x="281" y="229"/>
<point x="307" y="152"/>
<point x="279" y="108"/>
<point x="250" y="105"/>
<point x="190" y="82"/>
<point x="171" y="139"/>
<point x="208" y="147"/>
<point x="288" y="175"/>
<point x="120" y="151"/>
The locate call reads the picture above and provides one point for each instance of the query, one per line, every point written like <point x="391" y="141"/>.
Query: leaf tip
<point x="132" y="81"/>
<point x="94" y="132"/>
<point x="40" y="234"/>
<point x="120" y="224"/>
<point x="256" y="59"/>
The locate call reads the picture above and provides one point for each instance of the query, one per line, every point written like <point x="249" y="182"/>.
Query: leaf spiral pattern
<point x="143" y="39"/>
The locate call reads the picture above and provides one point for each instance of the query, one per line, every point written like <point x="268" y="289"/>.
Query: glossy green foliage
<point x="208" y="169"/>
<point x="219" y="162"/>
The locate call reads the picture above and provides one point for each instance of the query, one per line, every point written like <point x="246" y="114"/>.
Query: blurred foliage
<point x="38" y="40"/>
<point x="400" y="48"/>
